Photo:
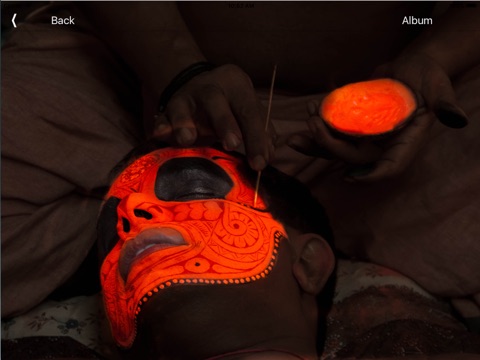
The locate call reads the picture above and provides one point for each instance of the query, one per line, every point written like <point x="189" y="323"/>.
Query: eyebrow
<point x="137" y="152"/>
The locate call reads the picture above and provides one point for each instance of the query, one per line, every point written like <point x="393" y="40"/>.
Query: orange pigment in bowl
<point x="369" y="107"/>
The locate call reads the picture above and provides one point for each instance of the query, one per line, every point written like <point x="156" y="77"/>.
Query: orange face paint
<point x="369" y="107"/>
<point x="169" y="243"/>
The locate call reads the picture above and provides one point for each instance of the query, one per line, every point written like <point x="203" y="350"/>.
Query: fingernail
<point x="185" y="136"/>
<point x="312" y="108"/>
<point x="258" y="163"/>
<point x="161" y="128"/>
<point x="359" y="171"/>
<point x="271" y="149"/>
<point x="450" y="115"/>
<point x="312" y="126"/>
<point x="231" y="141"/>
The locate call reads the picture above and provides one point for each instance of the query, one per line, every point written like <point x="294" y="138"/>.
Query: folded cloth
<point x="71" y="111"/>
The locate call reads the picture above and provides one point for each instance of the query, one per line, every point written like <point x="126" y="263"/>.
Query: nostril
<point x="142" y="214"/>
<point x="126" y="225"/>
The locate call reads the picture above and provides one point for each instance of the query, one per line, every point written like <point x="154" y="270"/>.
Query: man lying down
<point x="195" y="268"/>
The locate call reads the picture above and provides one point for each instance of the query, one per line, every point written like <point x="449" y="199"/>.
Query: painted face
<point x="185" y="217"/>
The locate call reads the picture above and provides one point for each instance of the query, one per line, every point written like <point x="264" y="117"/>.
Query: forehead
<point x="160" y="156"/>
<point x="141" y="175"/>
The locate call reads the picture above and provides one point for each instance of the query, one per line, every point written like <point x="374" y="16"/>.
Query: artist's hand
<point x="373" y="160"/>
<point x="222" y="103"/>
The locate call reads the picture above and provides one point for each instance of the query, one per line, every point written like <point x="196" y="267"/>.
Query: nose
<point x="138" y="213"/>
<point x="139" y="210"/>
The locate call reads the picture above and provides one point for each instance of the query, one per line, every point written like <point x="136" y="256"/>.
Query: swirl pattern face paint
<point x="208" y="241"/>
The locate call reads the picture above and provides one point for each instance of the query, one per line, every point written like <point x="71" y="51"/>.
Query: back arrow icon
<point x="13" y="20"/>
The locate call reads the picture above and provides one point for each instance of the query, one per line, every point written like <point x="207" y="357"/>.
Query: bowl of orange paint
<point x="371" y="108"/>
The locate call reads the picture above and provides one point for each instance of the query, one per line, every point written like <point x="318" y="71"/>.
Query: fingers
<point x="222" y="100"/>
<point x="399" y="152"/>
<point x="354" y="152"/>
<point x="381" y="71"/>
<point x="305" y="144"/>
<point x="449" y="114"/>
<point x="258" y="144"/>
<point x="369" y="160"/>
<point x="374" y="159"/>
<point x="180" y="112"/>
<point x="440" y="97"/>
<point x="181" y="120"/>
<point x="222" y="120"/>
<point x="161" y="127"/>
<point x="427" y="78"/>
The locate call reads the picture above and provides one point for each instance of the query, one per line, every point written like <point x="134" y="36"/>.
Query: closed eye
<point x="191" y="178"/>
<point x="196" y="195"/>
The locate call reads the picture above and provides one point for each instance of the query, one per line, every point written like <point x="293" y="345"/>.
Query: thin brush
<point x="267" y="121"/>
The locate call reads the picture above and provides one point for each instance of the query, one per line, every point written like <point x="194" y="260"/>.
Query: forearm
<point x="151" y="37"/>
<point x="453" y="40"/>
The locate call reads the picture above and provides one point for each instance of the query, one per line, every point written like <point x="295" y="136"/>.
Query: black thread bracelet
<point x="181" y="79"/>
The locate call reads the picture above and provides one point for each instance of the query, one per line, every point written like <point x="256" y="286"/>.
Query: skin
<point x="278" y="311"/>
<point x="427" y="66"/>
<point x="246" y="42"/>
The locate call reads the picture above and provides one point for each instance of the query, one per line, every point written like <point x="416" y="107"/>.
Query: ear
<point x="314" y="262"/>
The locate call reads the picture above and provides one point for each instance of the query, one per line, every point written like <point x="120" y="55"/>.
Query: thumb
<point x="439" y="96"/>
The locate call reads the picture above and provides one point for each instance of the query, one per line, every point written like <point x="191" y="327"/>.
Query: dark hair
<point x="291" y="202"/>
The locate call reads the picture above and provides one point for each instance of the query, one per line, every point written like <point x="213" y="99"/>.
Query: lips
<point x="146" y="243"/>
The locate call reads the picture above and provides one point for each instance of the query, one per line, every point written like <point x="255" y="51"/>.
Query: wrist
<point x="452" y="42"/>
<point x="435" y="55"/>
<point x="181" y="79"/>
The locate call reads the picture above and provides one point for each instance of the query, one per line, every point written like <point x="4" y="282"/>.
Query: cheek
<point x="231" y="245"/>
